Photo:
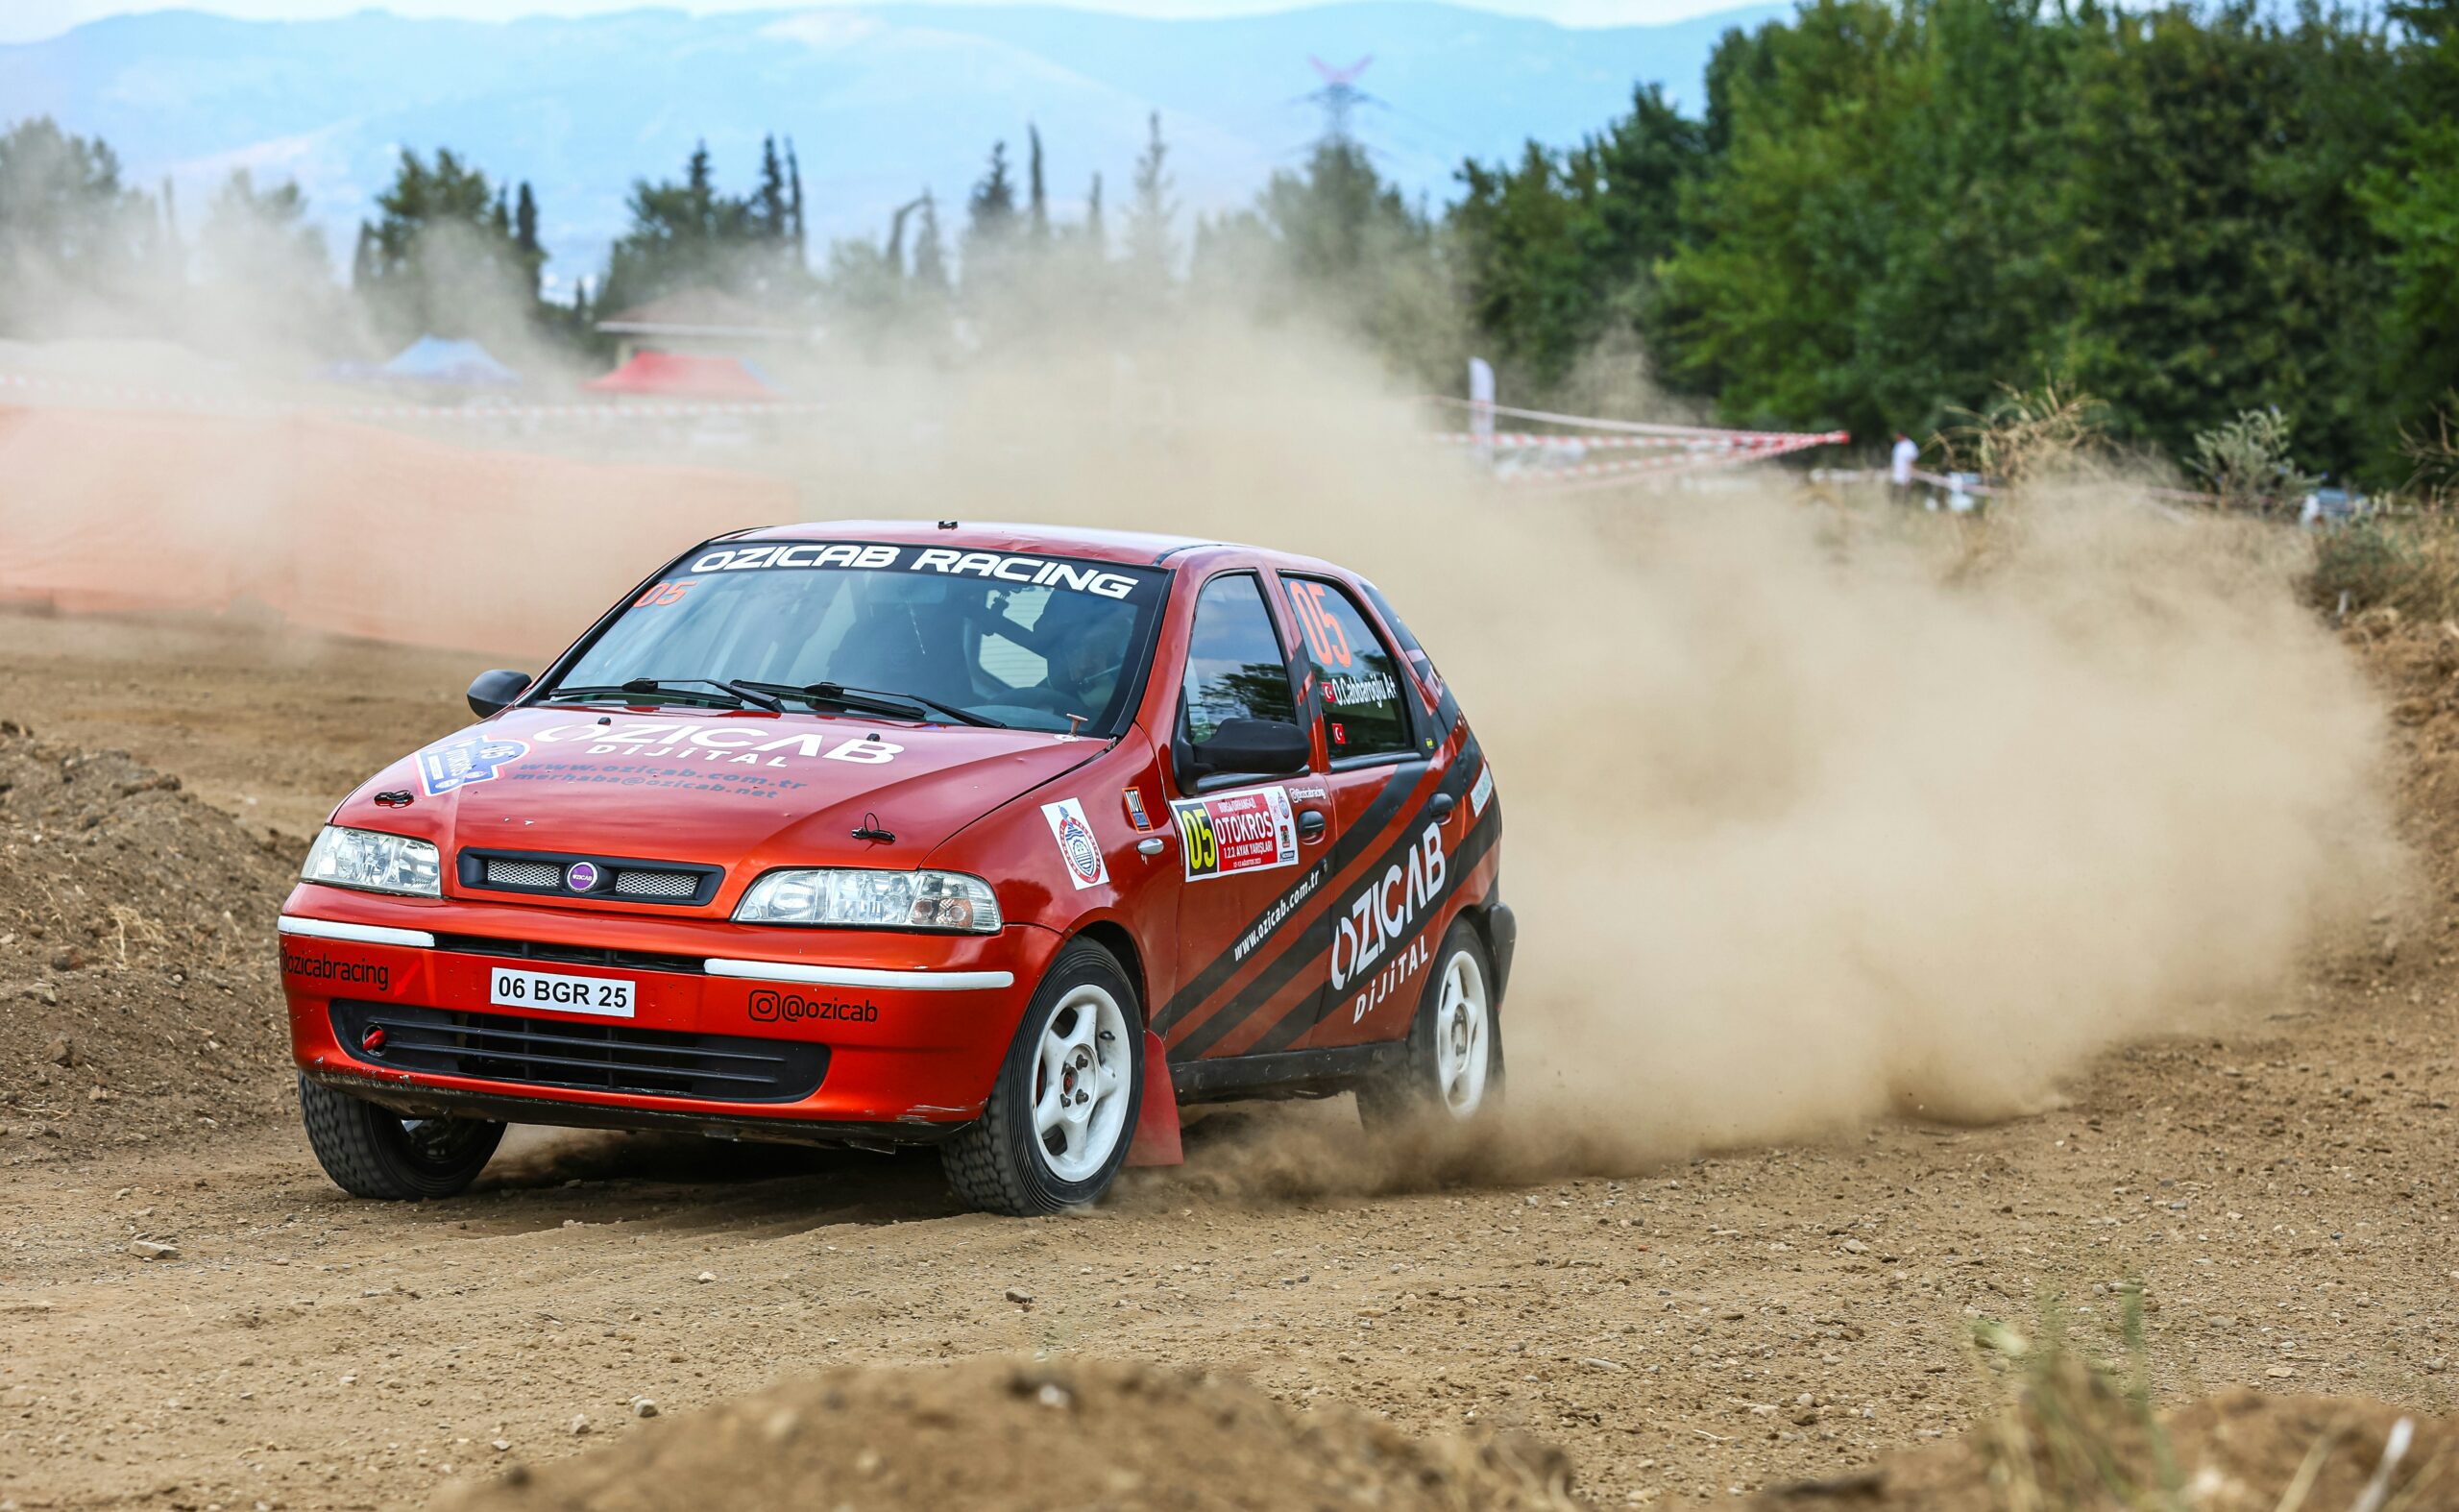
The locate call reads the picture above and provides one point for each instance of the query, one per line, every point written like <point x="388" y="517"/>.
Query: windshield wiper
<point x="724" y="693"/>
<point x="874" y="700"/>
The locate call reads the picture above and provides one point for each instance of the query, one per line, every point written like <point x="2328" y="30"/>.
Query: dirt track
<point x="2285" y="1193"/>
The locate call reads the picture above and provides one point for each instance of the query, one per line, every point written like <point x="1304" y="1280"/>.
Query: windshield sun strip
<point x="1146" y="588"/>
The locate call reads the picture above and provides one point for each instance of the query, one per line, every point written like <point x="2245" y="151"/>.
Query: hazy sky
<point x="24" y="20"/>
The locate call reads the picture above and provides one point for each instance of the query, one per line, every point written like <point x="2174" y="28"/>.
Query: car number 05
<point x="510" y="989"/>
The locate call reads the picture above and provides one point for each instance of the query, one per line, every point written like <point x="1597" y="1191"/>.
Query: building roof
<point x="435" y="359"/>
<point x="677" y="375"/>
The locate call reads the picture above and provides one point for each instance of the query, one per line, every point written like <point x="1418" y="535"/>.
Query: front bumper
<point x="914" y="1026"/>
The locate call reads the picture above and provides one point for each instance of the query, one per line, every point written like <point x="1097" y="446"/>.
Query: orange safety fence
<point x="342" y="527"/>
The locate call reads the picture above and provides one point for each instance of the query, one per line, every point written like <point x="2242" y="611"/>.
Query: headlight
<point x="947" y="900"/>
<point x="349" y="858"/>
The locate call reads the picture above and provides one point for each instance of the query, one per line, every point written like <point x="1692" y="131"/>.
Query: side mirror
<point x="490" y="692"/>
<point x="1255" y="748"/>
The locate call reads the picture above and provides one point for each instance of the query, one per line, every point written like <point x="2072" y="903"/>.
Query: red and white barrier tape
<point x="1683" y="461"/>
<point x="1701" y="440"/>
<point x="1669" y="449"/>
<point x="1672" y="448"/>
<point x="1622" y="427"/>
<point x="201" y="404"/>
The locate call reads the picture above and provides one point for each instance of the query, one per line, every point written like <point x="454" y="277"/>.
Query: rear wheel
<point x="1058" y="1121"/>
<point x="370" y="1151"/>
<point x="1453" y="1073"/>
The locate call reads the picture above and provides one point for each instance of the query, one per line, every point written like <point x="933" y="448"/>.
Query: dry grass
<point x="2074" y="1433"/>
<point x="2029" y="434"/>
<point x="2403" y="560"/>
<point x="2433" y="453"/>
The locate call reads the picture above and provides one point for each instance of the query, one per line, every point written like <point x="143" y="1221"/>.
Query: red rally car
<point x="1000" y="839"/>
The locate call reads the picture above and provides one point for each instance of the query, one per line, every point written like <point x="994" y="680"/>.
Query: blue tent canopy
<point x="433" y="359"/>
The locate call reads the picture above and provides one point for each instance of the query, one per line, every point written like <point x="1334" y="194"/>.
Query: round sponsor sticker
<point x="1076" y="842"/>
<point x="582" y="877"/>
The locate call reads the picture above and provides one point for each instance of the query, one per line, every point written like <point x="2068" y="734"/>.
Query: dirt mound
<point x="2417" y="665"/>
<point x="2238" y="1451"/>
<point x="139" y="994"/>
<point x="998" y="1434"/>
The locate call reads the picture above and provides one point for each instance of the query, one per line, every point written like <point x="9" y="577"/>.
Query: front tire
<point x="1451" y="1074"/>
<point x="1057" y="1128"/>
<point x="370" y="1151"/>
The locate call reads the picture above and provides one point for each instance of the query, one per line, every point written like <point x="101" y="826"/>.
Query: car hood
<point x="714" y="788"/>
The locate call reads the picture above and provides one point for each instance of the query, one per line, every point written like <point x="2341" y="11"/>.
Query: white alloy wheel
<point x="1462" y="1052"/>
<point x="1082" y="1075"/>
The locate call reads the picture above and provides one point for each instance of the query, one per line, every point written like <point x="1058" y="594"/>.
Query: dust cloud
<point x="1814" y="811"/>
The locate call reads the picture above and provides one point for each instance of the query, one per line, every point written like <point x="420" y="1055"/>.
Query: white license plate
<point x="600" y="995"/>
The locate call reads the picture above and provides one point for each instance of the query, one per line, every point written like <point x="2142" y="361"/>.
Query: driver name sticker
<point x="1087" y="868"/>
<point x="1235" y="832"/>
<point x="445" y="768"/>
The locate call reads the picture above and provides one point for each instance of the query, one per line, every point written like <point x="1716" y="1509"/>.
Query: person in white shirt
<point x="1900" y="467"/>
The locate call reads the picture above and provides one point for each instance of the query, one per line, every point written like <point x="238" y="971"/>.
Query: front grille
<point x="572" y="955"/>
<point x="595" y="1058"/>
<point x="631" y="879"/>
<point x="655" y="884"/>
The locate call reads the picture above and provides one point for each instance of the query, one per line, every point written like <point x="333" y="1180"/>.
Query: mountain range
<point x="881" y="102"/>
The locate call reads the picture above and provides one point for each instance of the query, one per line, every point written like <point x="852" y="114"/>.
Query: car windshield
<point x="934" y="634"/>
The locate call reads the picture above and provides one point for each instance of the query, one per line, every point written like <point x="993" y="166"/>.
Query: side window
<point x="1409" y="647"/>
<point x="1361" y="689"/>
<point x="1235" y="669"/>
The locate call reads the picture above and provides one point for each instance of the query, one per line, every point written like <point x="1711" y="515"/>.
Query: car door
<point x="1386" y="775"/>
<point x="1249" y="847"/>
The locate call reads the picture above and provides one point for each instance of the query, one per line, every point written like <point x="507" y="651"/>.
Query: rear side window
<point x="1358" y="684"/>
<point x="1235" y="666"/>
<point x="1427" y="670"/>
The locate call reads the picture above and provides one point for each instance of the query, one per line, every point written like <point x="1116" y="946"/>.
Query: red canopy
<point x="675" y="375"/>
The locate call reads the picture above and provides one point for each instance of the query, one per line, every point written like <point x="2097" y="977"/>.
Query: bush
<point x="2246" y="461"/>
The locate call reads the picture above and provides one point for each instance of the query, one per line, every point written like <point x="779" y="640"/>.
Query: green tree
<point x="1562" y="248"/>
<point x="70" y="231"/>
<point x="442" y="256"/>
<point x="1152" y="247"/>
<point x="991" y="222"/>
<point x="771" y="204"/>
<point x="1037" y="194"/>
<point x="2214" y="257"/>
<point x="252" y="235"/>
<point x="689" y="234"/>
<point x="1909" y="204"/>
<point x="2412" y="203"/>
<point x="1337" y="242"/>
<point x="930" y="256"/>
<point x="794" y="203"/>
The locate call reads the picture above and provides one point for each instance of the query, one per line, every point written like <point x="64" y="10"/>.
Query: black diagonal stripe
<point x="1293" y="1026"/>
<point x="1318" y="934"/>
<point x="1317" y="938"/>
<point x="1345" y="848"/>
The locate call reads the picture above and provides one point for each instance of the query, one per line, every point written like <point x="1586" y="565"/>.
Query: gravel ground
<point x="2282" y="1193"/>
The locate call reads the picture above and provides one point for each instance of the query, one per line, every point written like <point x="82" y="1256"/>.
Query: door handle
<point x="1443" y="805"/>
<point x="1311" y="823"/>
<point x="1151" y="845"/>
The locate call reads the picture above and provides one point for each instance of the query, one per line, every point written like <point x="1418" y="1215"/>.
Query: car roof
<point x="1126" y="548"/>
